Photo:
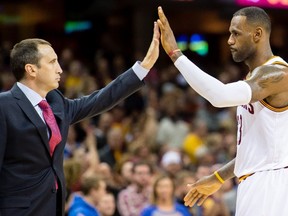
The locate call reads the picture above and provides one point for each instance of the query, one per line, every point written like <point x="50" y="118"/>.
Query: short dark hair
<point x="25" y="52"/>
<point x="142" y="163"/>
<point x="255" y="16"/>
<point x="90" y="182"/>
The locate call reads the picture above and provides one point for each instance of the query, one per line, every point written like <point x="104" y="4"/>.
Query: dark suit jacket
<point x="27" y="171"/>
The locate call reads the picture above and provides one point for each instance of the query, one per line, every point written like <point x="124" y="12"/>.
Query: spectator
<point x="163" y="200"/>
<point x="112" y="152"/>
<point x="171" y="163"/>
<point x="172" y="128"/>
<point x="107" y="205"/>
<point x="105" y="121"/>
<point x="193" y="143"/>
<point x="135" y="197"/>
<point x="85" y="202"/>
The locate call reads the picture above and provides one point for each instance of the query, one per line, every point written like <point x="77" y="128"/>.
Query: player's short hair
<point x="255" y="16"/>
<point x="25" y="52"/>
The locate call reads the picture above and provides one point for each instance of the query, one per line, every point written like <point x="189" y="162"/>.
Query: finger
<point x="201" y="200"/>
<point x="156" y="34"/>
<point x="190" y="194"/>
<point x="161" y="14"/>
<point x="193" y="200"/>
<point x="160" y="25"/>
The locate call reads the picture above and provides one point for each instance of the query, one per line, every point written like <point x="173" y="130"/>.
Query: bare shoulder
<point x="269" y="74"/>
<point x="269" y="81"/>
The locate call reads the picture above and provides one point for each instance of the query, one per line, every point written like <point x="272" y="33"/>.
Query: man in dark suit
<point x="31" y="172"/>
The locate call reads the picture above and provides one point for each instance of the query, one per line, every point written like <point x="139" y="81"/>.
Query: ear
<point x="30" y="70"/>
<point x="257" y="34"/>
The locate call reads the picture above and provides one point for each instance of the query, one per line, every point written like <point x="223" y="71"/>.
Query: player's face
<point x="240" y="41"/>
<point x="49" y="70"/>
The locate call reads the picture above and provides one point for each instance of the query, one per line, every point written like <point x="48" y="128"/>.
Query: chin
<point x="56" y="85"/>
<point x="236" y="59"/>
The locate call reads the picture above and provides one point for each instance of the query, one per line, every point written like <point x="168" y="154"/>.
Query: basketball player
<point x="262" y="113"/>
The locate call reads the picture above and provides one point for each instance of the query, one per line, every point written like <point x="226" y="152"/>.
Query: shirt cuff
<point x="139" y="70"/>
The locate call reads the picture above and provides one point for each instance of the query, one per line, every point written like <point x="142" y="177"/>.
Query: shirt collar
<point x="32" y="96"/>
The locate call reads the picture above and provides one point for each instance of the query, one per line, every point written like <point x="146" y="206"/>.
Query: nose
<point x="230" y="40"/>
<point x="59" y="69"/>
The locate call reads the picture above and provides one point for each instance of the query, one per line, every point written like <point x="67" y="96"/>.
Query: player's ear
<point x="258" y="34"/>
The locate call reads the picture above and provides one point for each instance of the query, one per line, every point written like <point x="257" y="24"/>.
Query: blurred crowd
<point x="138" y="158"/>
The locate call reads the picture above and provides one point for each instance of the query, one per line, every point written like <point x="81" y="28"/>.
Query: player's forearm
<point x="176" y="55"/>
<point x="216" y="92"/>
<point x="227" y="171"/>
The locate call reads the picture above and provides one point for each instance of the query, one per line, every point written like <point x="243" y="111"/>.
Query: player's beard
<point x="241" y="55"/>
<point x="236" y="57"/>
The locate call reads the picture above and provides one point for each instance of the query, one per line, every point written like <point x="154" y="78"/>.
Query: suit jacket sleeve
<point x="103" y="99"/>
<point x="3" y="136"/>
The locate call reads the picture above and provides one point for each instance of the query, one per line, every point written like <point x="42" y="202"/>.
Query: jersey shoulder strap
<point x="276" y="60"/>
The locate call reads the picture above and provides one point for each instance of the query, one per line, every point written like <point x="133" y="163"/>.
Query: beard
<point x="242" y="55"/>
<point x="237" y="58"/>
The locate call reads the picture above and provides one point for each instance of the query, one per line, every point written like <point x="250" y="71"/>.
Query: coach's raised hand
<point x="153" y="51"/>
<point x="167" y="37"/>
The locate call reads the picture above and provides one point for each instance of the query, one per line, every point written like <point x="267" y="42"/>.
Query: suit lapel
<point x="31" y="113"/>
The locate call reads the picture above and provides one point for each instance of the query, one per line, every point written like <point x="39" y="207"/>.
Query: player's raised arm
<point x="167" y="37"/>
<point x="217" y="93"/>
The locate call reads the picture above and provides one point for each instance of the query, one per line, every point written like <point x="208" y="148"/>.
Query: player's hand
<point x="153" y="51"/>
<point x="200" y="190"/>
<point x="167" y="37"/>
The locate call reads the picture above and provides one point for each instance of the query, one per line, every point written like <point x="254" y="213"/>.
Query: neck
<point x="139" y="188"/>
<point x="165" y="202"/>
<point x="259" y="58"/>
<point x="89" y="200"/>
<point x="34" y="87"/>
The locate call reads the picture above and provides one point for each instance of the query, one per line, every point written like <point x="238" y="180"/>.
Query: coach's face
<point x="241" y="42"/>
<point x="48" y="72"/>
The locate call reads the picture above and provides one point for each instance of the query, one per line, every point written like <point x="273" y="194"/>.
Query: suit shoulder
<point x="6" y="101"/>
<point x="5" y="96"/>
<point x="55" y="95"/>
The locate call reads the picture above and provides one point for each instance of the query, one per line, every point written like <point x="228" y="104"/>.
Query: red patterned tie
<point x="55" y="135"/>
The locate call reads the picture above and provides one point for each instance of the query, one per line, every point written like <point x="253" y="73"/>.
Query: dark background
<point x="125" y="26"/>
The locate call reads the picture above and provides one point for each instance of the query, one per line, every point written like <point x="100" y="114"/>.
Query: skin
<point x="165" y="194"/>
<point x="47" y="75"/>
<point x="249" y="44"/>
<point x="95" y="194"/>
<point x="142" y="176"/>
<point x="164" y="190"/>
<point x="106" y="205"/>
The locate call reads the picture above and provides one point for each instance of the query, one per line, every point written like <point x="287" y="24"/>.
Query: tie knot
<point x="44" y="105"/>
